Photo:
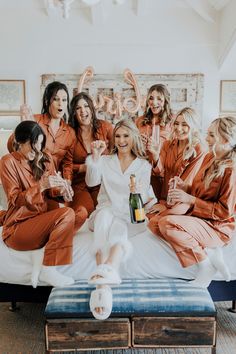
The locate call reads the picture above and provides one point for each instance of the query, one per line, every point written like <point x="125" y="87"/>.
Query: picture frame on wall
<point x="12" y="96"/>
<point x="228" y="96"/>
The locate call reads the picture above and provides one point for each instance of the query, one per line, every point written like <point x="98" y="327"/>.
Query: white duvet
<point x="151" y="258"/>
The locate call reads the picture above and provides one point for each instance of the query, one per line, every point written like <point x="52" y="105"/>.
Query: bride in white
<point x="111" y="219"/>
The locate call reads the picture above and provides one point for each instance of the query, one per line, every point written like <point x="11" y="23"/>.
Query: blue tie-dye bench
<point x="146" y="313"/>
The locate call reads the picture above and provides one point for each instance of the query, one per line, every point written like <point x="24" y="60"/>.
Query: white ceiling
<point x="218" y="13"/>
<point x="218" y="4"/>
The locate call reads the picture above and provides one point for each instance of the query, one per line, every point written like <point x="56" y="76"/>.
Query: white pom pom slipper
<point x="104" y="274"/>
<point x="101" y="299"/>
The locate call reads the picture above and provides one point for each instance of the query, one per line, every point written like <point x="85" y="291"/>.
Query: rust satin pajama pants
<point x="188" y="236"/>
<point x="84" y="198"/>
<point x="53" y="229"/>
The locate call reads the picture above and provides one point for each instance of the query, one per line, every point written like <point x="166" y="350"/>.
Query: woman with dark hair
<point x="60" y="138"/>
<point x="29" y="180"/>
<point x="87" y="129"/>
<point x="155" y="125"/>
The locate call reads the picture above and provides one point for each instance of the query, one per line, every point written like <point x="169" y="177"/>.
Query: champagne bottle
<point x="136" y="207"/>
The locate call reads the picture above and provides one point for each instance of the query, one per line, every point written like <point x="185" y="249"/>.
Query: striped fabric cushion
<point x="150" y="297"/>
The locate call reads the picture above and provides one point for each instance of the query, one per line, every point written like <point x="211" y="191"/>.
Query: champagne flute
<point x="156" y="133"/>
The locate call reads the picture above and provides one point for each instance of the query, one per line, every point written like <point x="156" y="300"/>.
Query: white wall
<point x="33" y="44"/>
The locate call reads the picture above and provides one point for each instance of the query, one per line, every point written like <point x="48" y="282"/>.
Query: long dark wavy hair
<point x="29" y="131"/>
<point x="166" y="114"/>
<point x="49" y="94"/>
<point x="73" y="121"/>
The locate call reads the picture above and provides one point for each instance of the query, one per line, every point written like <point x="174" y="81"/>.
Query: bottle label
<point x="139" y="214"/>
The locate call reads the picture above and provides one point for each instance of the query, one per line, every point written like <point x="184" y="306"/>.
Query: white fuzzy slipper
<point x="104" y="274"/>
<point x="101" y="298"/>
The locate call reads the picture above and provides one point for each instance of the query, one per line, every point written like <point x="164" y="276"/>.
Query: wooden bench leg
<point x="233" y="308"/>
<point x="213" y="350"/>
<point x="13" y="307"/>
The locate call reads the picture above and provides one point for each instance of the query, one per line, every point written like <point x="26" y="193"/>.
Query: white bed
<point x="151" y="258"/>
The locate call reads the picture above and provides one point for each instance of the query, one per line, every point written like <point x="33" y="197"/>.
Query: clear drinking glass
<point x="172" y="185"/>
<point x="156" y="133"/>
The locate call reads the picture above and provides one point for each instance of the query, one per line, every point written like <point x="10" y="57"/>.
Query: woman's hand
<point x="82" y="168"/>
<point x="97" y="148"/>
<point x="56" y="181"/>
<point x="178" y="183"/>
<point x="157" y="209"/>
<point x="68" y="192"/>
<point x="26" y="112"/>
<point x="180" y="196"/>
<point x="48" y="182"/>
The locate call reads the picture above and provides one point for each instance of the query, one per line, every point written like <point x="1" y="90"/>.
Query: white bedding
<point x="151" y="258"/>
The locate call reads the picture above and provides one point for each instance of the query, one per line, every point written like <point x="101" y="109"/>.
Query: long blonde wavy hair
<point x="224" y="127"/>
<point x="194" y="138"/>
<point x="138" y="149"/>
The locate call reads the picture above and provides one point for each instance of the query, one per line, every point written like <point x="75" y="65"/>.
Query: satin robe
<point x="27" y="224"/>
<point x="111" y="219"/>
<point x="171" y="164"/>
<point x="156" y="181"/>
<point x="83" y="195"/>
<point x="210" y="222"/>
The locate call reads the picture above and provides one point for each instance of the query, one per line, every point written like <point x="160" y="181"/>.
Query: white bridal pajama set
<point x="111" y="219"/>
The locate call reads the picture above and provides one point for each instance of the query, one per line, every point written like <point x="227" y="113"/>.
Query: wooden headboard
<point x="117" y="96"/>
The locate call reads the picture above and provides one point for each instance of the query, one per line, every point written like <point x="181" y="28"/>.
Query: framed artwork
<point x="228" y="96"/>
<point x="12" y="96"/>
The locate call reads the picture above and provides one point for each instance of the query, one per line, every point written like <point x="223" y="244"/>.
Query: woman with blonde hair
<point x="180" y="156"/>
<point x="111" y="219"/>
<point x="198" y="236"/>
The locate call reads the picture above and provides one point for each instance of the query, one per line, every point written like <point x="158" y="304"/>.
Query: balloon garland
<point x="116" y="105"/>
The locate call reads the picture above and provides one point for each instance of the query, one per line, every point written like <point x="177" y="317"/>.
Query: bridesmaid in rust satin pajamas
<point x="183" y="153"/>
<point x="60" y="137"/>
<point x="209" y="221"/>
<point x="28" y="178"/>
<point x="157" y="113"/>
<point x="88" y="129"/>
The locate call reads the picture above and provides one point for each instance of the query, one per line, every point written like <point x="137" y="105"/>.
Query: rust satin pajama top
<point x="83" y="195"/>
<point x="60" y="146"/>
<point x="146" y="129"/>
<point x="215" y="204"/>
<point x="27" y="225"/>
<point x="23" y="193"/>
<point x="80" y="153"/>
<point x="209" y="223"/>
<point x="171" y="164"/>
